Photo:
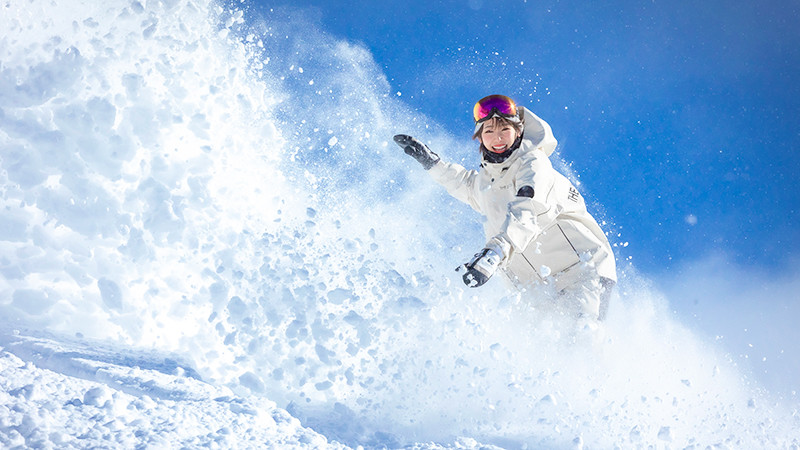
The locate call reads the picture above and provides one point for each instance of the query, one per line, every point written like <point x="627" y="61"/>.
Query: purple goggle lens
<point x="487" y="107"/>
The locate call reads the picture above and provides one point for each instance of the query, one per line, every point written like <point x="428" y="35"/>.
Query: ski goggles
<point x="494" y="105"/>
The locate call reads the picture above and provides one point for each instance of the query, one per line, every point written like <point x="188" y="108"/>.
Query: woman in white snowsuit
<point x="537" y="228"/>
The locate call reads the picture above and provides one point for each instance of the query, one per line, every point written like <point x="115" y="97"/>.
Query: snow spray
<point x="209" y="180"/>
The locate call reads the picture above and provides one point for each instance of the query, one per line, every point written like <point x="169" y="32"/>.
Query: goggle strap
<point x="495" y="113"/>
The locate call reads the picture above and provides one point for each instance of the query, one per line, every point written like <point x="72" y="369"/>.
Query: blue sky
<point x="681" y="119"/>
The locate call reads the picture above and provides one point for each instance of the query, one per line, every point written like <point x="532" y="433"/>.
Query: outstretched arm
<point x="456" y="179"/>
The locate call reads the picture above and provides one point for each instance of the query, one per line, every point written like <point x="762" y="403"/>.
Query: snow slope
<point x="208" y="240"/>
<point x="65" y="394"/>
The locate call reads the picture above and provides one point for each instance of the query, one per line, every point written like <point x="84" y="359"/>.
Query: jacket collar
<point x="497" y="158"/>
<point x="497" y="168"/>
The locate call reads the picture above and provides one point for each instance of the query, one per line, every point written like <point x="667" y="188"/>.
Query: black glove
<point x="482" y="266"/>
<point x="417" y="150"/>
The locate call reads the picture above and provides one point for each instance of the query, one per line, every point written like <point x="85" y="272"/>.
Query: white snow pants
<point x="588" y="298"/>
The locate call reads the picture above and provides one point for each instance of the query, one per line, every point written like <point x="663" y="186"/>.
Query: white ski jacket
<point x="547" y="237"/>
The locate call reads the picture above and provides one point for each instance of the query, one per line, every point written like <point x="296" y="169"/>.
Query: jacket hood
<point x="538" y="132"/>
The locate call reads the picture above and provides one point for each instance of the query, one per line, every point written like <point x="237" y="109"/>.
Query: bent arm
<point x="534" y="207"/>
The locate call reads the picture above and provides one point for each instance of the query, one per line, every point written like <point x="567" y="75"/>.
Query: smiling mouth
<point x="499" y="149"/>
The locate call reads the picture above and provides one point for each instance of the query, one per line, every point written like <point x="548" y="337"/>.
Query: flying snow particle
<point x="691" y="219"/>
<point x="475" y="5"/>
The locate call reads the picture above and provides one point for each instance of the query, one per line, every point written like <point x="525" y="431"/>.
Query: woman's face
<point x="497" y="136"/>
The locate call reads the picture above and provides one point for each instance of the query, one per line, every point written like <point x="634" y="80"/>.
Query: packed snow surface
<point x="207" y="239"/>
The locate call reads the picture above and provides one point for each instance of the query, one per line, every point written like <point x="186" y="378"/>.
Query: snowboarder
<point x="537" y="226"/>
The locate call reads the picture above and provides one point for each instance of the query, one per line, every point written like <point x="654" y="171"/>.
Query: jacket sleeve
<point x="534" y="208"/>
<point x="458" y="181"/>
